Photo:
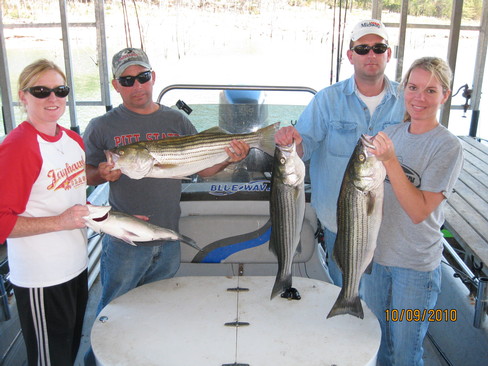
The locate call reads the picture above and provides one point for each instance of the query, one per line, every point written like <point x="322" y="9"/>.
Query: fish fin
<point x="370" y="203"/>
<point x="369" y="268"/>
<point x="271" y="246"/>
<point x="267" y="142"/>
<point x="165" y="166"/>
<point x="281" y="284"/>
<point x="336" y="256"/>
<point x="343" y="305"/>
<point x="128" y="241"/>
<point x="190" y="242"/>
<point x="135" y="175"/>
<point x="215" y="129"/>
<point x="170" y="166"/>
<point x="153" y="243"/>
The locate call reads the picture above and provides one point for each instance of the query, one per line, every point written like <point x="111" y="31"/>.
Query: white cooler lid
<point x="181" y="321"/>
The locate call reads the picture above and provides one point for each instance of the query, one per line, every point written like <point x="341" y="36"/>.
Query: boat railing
<point x="479" y="283"/>
<point x="234" y="87"/>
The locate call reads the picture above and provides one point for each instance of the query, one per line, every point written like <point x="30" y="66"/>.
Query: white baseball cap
<point x="371" y="26"/>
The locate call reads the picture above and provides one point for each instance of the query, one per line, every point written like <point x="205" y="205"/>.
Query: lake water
<point x="195" y="46"/>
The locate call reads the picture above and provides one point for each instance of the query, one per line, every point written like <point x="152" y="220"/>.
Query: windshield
<point x="237" y="110"/>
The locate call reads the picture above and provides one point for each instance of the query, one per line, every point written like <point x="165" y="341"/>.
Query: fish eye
<point x="282" y="160"/>
<point x="362" y="157"/>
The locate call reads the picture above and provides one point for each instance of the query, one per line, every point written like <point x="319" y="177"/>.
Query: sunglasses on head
<point x="43" y="91"/>
<point x="363" y="49"/>
<point x="142" y="78"/>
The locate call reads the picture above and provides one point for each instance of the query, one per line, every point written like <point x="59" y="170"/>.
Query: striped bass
<point x="130" y="228"/>
<point x="359" y="213"/>
<point x="287" y="210"/>
<point x="180" y="157"/>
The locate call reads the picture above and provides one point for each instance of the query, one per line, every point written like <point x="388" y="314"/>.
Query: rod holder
<point x="481" y="305"/>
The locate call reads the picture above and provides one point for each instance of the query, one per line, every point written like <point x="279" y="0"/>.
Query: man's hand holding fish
<point x="237" y="151"/>
<point x="287" y="135"/>
<point x="107" y="172"/>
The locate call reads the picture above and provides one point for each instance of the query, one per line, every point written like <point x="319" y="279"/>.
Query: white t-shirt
<point x="42" y="176"/>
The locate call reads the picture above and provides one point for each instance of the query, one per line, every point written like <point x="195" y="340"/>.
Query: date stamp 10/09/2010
<point x="421" y="315"/>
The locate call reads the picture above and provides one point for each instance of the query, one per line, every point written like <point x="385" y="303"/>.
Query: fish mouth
<point x="100" y="219"/>
<point x="111" y="156"/>
<point x="98" y="213"/>
<point x="368" y="141"/>
<point x="287" y="149"/>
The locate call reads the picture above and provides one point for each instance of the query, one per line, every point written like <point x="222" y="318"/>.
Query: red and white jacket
<point x="42" y="175"/>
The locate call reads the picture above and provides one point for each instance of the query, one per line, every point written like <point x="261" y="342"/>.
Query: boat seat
<point x="237" y="239"/>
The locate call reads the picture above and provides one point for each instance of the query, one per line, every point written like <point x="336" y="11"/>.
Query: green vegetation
<point x="22" y="9"/>
<point x="429" y="8"/>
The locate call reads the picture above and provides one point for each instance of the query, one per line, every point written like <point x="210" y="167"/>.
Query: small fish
<point x="129" y="228"/>
<point x="180" y="157"/>
<point x="359" y="214"/>
<point x="287" y="210"/>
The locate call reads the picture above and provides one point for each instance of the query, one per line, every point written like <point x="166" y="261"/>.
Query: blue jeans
<point x="334" y="271"/>
<point x="123" y="267"/>
<point x="395" y="295"/>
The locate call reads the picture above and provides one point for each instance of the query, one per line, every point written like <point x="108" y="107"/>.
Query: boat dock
<point x="467" y="208"/>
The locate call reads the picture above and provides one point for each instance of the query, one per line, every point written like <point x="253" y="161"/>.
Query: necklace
<point x="58" y="145"/>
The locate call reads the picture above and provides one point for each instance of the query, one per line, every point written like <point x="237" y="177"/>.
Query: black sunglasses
<point x="142" y="78"/>
<point x="363" y="49"/>
<point x="43" y="91"/>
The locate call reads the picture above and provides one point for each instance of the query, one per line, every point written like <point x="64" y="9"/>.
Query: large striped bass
<point x="287" y="210"/>
<point x="102" y="219"/>
<point x="180" y="157"/>
<point x="359" y="213"/>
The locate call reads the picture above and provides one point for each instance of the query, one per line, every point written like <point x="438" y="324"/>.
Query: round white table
<point x="187" y="321"/>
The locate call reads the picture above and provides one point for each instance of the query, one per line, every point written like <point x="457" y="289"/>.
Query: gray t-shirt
<point x="432" y="161"/>
<point x="157" y="198"/>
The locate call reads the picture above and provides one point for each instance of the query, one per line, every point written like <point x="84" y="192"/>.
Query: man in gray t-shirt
<point x="139" y="118"/>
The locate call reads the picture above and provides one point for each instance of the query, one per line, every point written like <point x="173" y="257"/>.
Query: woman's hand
<point x="72" y="218"/>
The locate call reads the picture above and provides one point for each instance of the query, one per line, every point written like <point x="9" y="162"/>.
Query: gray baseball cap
<point x="128" y="57"/>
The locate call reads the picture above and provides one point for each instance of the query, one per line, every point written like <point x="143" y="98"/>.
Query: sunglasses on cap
<point x="42" y="92"/>
<point x="363" y="49"/>
<point x="142" y="78"/>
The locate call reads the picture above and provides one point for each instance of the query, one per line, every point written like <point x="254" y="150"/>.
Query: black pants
<point x="52" y="320"/>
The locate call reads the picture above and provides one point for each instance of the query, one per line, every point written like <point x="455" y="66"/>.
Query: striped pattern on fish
<point x="287" y="209"/>
<point x="180" y="157"/>
<point x="359" y="213"/>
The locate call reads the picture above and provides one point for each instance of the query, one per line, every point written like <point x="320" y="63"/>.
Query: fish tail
<point x="267" y="142"/>
<point x="190" y="242"/>
<point x="281" y="284"/>
<point x="345" y="305"/>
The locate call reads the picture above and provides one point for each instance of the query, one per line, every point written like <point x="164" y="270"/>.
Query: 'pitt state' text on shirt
<point x="136" y="137"/>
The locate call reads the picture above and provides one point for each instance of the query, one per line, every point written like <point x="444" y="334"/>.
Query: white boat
<point x="227" y="216"/>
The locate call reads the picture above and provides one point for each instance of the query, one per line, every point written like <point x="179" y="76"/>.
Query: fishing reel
<point x="467" y="95"/>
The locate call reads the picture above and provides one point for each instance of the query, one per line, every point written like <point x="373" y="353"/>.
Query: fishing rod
<point x="332" y="48"/>
<point x="341" y="47"/>
<point x="340" y="38"/>
<point x="128" y="36"/>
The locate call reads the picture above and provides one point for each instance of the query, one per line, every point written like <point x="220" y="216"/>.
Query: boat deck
<point x="431" y="357"/>
<point x="467" y="209"/>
